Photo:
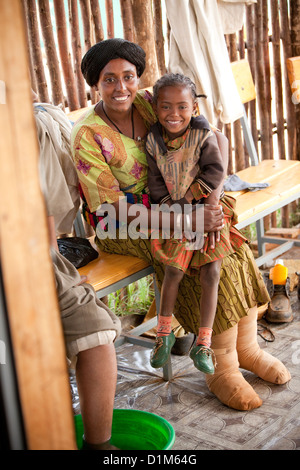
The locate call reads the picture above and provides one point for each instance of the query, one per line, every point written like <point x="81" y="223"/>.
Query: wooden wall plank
<point x="244" y="80"/>
<point x="32" y="306"/>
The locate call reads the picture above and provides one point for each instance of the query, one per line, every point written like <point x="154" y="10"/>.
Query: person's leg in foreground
<point x="90" y="329"/>
<point x="96" y="376"/>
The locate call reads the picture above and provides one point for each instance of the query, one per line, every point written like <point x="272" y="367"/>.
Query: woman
<point x="108" y="146"/>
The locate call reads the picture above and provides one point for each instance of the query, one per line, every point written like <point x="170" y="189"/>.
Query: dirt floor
<point x="200" y="421"/>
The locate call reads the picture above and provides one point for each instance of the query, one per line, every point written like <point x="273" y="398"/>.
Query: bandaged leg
<point x="254" y="359"/>
<point x="228" y="383"/>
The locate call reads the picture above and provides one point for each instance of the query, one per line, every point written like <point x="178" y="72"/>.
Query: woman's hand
<point x="210" y="241"/>
<point x="213" y="218"/>
<point x="213" y="236"/>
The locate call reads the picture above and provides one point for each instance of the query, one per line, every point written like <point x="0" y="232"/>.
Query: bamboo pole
<point x="260" y="76"/>
<point x="32" y="72"/>
<point x="168" y="32"/>
<point x="127" y="20"/>
<point x="228" y="127"/>
<point x="273" y="216"/>
<point x="77" y="53"/>
<point x="96" y="13"/>
<point x="285" y="35"/>
<point x="65" y="55"/>
<point x="109" y="18"/>
<point x="261" y="84"/>
<point x="295" y="48"/>
<point x="277" y="78"/>
<point x="86" y="14"/>
<point x="159" y="37"/>
<point x="37" y="60"/>
<point x="237" y="131"/>
<point x="241" y="42"/>
<point x="145" y="37"/>
<point x="227" y="132"/>
<point x="295" y="43"/>
<point x="266" y="54"/>
<point x="51" y="54"/>
<point x="251" y="57"/>
<point x="27" y="270"/>
<point x="241" y="50"/>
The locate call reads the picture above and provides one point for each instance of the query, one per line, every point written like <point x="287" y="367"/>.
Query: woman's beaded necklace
<point x="132" y="121"/>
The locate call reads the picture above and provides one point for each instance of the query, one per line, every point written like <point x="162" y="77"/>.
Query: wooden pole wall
<point x="35" y="50"/>
<point x="89" y="40"/>
<point x="251" y="57"/>
<point x="285" y="35"/>
<point x="237" y="133"/>
<point x="228" y="129"/>
<point x="267" y="71"/>
<point x="159" y="37"/>
<point x="77" y="52"/>
<point x="277" y="78"/>
<point x="96" y="14"/>
<point x="65" y="55"/>
<point x="145" y="36"/>
<point x="27" y="271"/>
<point x="242" y="51"/>
<point x="127" y="19"/>
<point x="51" y="52"/>
<point x="295" y="45"/>
<point x="110" y="19"/>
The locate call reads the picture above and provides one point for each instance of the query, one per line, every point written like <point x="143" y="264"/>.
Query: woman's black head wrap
<point x="101" y="53"/>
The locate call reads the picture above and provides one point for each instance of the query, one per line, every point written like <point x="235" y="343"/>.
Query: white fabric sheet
<point x="198" y="50"/>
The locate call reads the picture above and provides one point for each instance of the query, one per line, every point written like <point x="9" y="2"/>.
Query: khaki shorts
<point x="87" y="321"/>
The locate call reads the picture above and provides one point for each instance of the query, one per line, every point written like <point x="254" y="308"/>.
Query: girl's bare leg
<point x="169" y="291"/>
<point x="201" y="354"/>
<point x="209" y="278"/>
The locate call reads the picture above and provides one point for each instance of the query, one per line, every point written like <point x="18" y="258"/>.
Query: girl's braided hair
<point x="175" y="79"/>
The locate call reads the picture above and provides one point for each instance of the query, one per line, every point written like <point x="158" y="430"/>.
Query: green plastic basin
<point x="135" y="430"/>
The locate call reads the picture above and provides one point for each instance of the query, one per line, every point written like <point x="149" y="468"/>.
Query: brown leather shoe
<point x="280" y="310"/>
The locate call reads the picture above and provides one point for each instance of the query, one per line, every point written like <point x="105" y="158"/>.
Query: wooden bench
<point x="283" y="177"/>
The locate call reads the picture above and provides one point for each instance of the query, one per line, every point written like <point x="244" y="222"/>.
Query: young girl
<point x="187" y="168"/>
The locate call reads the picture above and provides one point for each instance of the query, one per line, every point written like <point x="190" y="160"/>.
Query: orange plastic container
<point x="279" y="273"/>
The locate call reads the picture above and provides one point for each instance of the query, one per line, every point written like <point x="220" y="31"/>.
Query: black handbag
<point x="77" y="250"/>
